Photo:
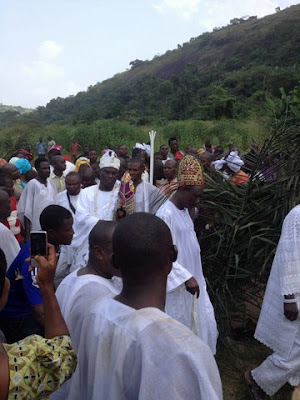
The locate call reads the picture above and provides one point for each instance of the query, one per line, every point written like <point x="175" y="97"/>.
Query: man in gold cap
<point x="199" y="314"/>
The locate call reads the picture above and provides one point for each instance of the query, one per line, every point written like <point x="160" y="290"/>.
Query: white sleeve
<point x="83" y="215"/>
<point x="84" y="221"/>
<point x="177" y="276"/>
<point x="9" y="245"/>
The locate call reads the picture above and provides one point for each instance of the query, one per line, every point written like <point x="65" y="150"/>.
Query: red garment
<point x="66" y="157"/>
<point x="239" y="178"/>
<point x="178" y="155"/>
<point x="12" y="222"/>
<point x="74" y="148"/>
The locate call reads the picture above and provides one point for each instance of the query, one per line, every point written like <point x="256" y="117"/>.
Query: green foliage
<point x="227" y="73"/>
<point x="245" y="224"/>
<point x="105" y="133"/>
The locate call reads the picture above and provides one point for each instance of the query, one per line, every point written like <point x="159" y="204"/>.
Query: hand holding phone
<point x="38" y="246"/>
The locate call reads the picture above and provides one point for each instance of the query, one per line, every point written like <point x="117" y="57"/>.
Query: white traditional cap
<point x="234" y="162"/>
<point x="13" y="160"/>
<point x="109" y="160"/>
<point x="218" y="164"/>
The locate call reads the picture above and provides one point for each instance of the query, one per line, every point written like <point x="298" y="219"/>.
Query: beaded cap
<point x="190" y="172"/>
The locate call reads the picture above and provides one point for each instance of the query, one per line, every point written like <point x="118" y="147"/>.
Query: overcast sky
<point x="52" y="48"/>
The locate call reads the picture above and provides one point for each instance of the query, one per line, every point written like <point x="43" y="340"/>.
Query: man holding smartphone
<point x="23" y="313"/>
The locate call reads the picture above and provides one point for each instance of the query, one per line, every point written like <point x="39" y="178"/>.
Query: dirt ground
<point x="236" y="356"/>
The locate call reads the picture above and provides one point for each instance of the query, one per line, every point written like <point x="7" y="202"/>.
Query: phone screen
<point x="38" y="243"/>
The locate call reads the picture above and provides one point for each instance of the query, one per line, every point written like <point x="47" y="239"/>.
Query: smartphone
<point x="38" y="246"/>
<point x="38" y="243"/>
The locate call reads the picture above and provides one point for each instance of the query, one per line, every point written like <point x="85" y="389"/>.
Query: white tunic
<point x="273" y="329"/>
<point x="76" y="295"/>
<point x="183" y="308"/>
<point x="92" y="205"/>
<point x="8" y="244"/>
<point x="129" y="354"/>
<point x="34" y="198"/>
<point x="61" y="199"/>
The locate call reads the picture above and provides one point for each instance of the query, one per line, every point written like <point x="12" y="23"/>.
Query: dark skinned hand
<point x="192" y="286"/>
<point x="290" y="311"/>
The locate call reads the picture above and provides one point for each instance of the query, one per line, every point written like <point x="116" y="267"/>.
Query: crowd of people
<point x="123" y="278"/>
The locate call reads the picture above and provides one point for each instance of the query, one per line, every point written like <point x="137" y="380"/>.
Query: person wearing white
<point x="37" y="195"/>
<point x="147" y="197"/>
<point x="199" y="314"/>
<point x="8" y="243"/>
<point x="79" y="290"/>
<point x="95" y="203"/>
<point x="278" y="326"/>
<point x="142" y="354"/>
<point x="69" y="197"/>
<point x="129" y="348"/>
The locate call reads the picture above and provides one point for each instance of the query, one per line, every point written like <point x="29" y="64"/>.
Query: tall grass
<point x="111" y="133"/>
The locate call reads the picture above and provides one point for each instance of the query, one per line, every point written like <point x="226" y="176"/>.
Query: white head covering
<point x="218" y="164"/>
<point x="13" y="160"/>
<point x="143" y="146"/>
<point x="109" y="160"/>
<point x="234" y="162"/>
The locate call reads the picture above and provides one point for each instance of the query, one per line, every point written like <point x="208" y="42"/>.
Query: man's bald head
<point x="143" y="248"/>
<point x="87" y="177"/>
<point x="205" y="157"/>
<point x="170" y="169"/>
<point x="11" y="170"/>
<point x="101" y="234"/>
<point x="55" y="160"/>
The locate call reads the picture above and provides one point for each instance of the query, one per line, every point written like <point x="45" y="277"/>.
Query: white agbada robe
<point x="8" y="244"/>
<point x="181" y="305"/>
<point x="92" y="205"/>
<point x="141" y="354"/>
<point x="273" y="328"/>
<point x="148" y="198"/>
<point x="76" y="295"/>
<point x="34" y="198"/>
<point x="61" y="199"/>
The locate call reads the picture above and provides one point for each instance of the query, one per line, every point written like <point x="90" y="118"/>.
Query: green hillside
<point x="230" y="72"/>
<point x="17" y="109"/>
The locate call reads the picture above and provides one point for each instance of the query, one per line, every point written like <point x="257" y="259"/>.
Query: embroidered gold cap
<point x="190" y="172"/>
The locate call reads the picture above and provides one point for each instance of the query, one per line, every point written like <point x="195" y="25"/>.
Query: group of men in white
<point x="115" y="281"/>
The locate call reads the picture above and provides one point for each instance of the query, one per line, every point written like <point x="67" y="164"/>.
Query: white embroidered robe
<point x="181" y="305"/>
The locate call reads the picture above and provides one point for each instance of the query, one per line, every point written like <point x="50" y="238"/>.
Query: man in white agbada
<point x="197" y="314"/>
<point x="94" y="203"/>
<point x="147" y="197"/>
<point x="8" y="243"/>
<point x="130" y="348"/>
<point x="279" y="322"/>
<point x="69" y="197"/>
<point x="37" y="195"/>
<point x="79" y="290"/>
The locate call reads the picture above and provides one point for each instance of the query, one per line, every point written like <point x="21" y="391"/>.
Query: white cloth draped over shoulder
<point x="76" y="295"/>
<point x="142" y="354"/>
<point x="8" y="244"/>
<point x="148" y="198"/>
<point x="273" y="329"/>
<point x="34" y="198"/>
<point x="93" y="204"/>
<point x="180" y="305"/>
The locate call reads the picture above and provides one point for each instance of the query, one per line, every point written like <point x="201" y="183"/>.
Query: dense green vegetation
<point x="230" y="73"/>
